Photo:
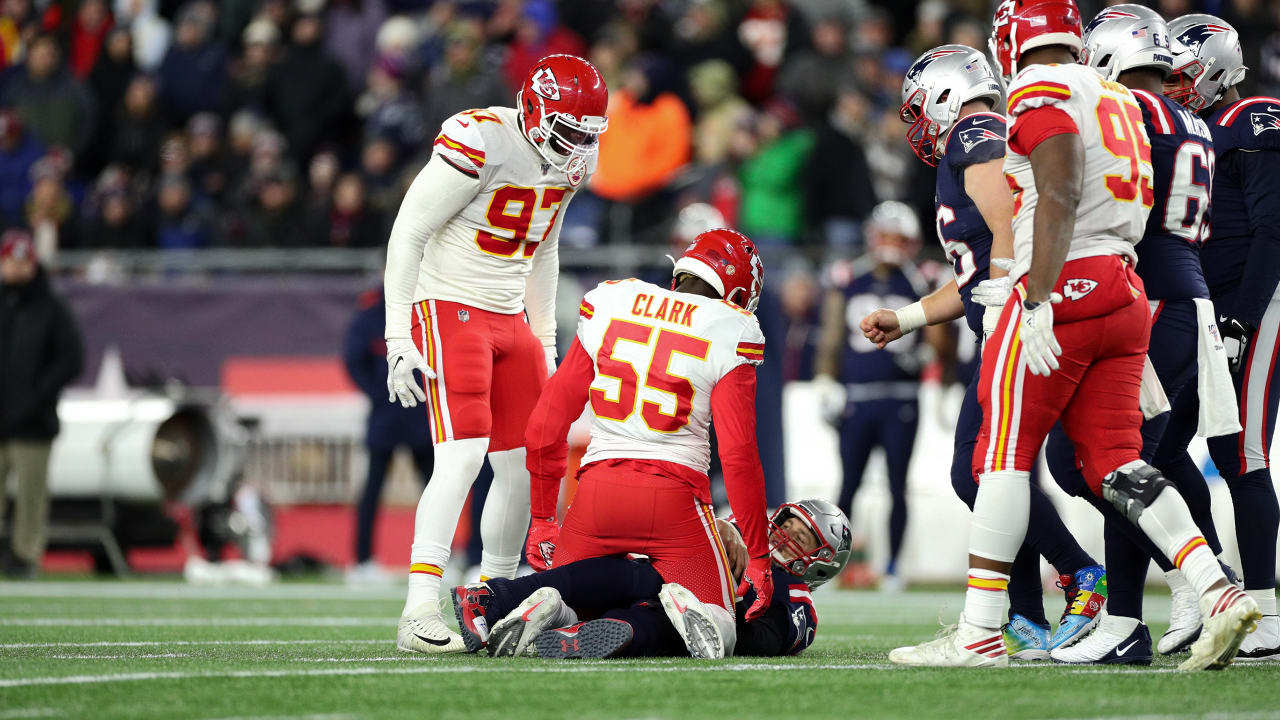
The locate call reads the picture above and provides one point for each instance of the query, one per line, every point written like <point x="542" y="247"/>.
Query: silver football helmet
<point x="1207" y="60"/>
<point x="829" y="525"/>
<point x="1125" y="37"/>
<point x="936" y="85"/>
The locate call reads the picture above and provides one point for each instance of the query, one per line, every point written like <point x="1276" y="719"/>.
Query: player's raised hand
<point x="881" y="327"/>
<point x="540" y="548"/>
<point x="1035" y="329"/>
<point x="759" y="575"/>
<point x="402" y="359"/>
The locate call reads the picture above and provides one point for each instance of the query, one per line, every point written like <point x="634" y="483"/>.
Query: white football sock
<point x="505" y="520"/>
<point x="1176" y="580"/>
<point x="1000" y="515"/>
<point x="1168" y="524"/>
<point x="1266" y="600"/>
<point x="984" y="600"/>
<point x="457" y="462"/>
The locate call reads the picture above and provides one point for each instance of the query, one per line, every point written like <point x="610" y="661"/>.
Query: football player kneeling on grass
<point x="637" y="614"/>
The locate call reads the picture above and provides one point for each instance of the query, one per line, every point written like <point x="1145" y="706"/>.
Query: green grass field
<point x="167" y="650"/>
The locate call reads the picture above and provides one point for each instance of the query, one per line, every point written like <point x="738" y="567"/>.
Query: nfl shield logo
<point x="463" y="316"/>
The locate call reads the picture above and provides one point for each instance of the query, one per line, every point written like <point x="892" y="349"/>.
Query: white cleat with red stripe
<point x="1229" y="615"/>
<point x="961" y="645"/>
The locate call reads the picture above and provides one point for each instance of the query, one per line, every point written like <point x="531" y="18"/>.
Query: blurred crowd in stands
<point x="298" y="123"/>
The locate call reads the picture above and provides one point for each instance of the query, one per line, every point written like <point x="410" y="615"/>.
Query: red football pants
<point x="1103" y="325"/>
<point x="489" y="368"/>
<point x="618" y="510"/>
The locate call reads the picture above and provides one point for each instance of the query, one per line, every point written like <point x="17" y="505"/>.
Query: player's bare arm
<point x="1058" y="165"/>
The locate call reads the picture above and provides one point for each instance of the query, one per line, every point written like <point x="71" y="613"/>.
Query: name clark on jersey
<point x="678" y="312"/>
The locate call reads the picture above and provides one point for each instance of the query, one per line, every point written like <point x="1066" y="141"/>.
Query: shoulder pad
<point x="1155" y="112"/>
<point x="1249" y="124"/>
<point x="1039" y="85"/>
<point x="462" y="140"/>
<point x="975" y="139"/>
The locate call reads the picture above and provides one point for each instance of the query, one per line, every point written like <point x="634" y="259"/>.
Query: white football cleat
<point x="543" y="610"/>
<point x="1229" y="615"/>
<point x="425" y="632"/>
<point x="960" y="645"/>
<point x="1115" y="640"/>
<point x="1263" y="643"/>
<point x="691" y="618"/>
<point x="1184" y="622"/>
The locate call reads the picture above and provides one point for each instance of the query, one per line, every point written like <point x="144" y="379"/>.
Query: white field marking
<point x="387" y="658"/>
<point x="29" y="713"/>
<point x="119" y="657"/>
<point x="201" y="621"/>
<point x="422" y="669"/>
<point x="328" y="716"/>
<point x="165" y="643"/>
<point x="158" y="590"/>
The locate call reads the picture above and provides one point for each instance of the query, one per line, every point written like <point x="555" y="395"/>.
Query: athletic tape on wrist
<point x="911" y="317"/>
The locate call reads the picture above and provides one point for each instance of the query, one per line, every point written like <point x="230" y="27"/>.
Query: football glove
<point x="831" y="398"/>
<point x="549" y="352"/>
<point x="540" y="548"/>
<point x="402" y="359"/>
<point x="994" y="292"/>
<point x="1035" y="328"/>
<point x="991" y="320"/>
<point x="1236" y="336"/>
<point x="759" y="575"/>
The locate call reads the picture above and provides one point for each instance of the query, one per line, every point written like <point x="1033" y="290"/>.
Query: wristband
<point x="911" y="317"/>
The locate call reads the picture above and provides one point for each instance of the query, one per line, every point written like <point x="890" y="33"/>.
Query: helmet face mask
<point x="562" y="109"/>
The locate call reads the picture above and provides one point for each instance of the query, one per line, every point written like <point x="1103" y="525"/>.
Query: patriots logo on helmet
<point x="918" y="69"/>
<point x="545" y="84"/>
<point x="973" y="137"/>
<point x="1077" y="288"/>
<point x="1193" y="36"/>
<point x="1263" y="122"/>
<point x="1106" y="15"/>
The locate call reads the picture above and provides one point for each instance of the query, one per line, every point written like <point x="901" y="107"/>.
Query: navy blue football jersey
<point x="787" y="627"/>
<point x="860" y="360"/>
<point x="1182" y="158"/>
<point x="1243" y="249"/>
<point x="963" y="232"/>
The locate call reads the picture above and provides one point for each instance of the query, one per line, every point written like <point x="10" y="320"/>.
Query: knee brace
<point x="1132" y="491"/>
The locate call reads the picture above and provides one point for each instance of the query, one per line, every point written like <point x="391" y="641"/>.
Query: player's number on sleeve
<point x="1189" y="191"/>
<point x="511" y="211"/>
<point x="961" y="255"/>
<point x="658" y="376"/>
<point x="1123" y="136"/>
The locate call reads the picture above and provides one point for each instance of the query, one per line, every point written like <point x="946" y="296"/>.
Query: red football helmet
<point x="562" y="108"/>
<point x="727" y="261"/>
<point x="1022" y="25"/>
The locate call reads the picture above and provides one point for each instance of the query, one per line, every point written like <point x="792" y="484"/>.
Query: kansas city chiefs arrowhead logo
<point x="545" y="84"/>
<point x="546" y="549"/>
<point x="1077" y="288"/>
<point x="1263" y="122"/>
<point x="972" y="137"/>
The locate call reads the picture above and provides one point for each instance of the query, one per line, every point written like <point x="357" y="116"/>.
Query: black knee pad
<point x="1132" y="491"/>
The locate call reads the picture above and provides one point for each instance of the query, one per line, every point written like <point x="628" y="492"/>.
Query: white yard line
<point x="327" y="716"/>
<point x="165" y="643"/>
<point x="17" y="713"/>
<point x="423" y="669"/>
<point x="160" y="590"/>
<point x="294" y="621"/>
<point x="119" y="657"/>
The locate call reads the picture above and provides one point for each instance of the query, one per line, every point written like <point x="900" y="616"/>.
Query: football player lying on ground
<point x="637" y="614"/>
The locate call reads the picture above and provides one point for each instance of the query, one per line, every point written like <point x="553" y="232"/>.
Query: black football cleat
<point x="603" y="638"/>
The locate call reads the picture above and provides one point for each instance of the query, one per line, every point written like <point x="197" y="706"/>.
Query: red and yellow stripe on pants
<point x="722" y="558"/>
<point x="428" y="341"/>
<point x="1008" y="372"/>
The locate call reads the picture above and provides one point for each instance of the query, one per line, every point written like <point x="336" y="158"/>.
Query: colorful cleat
<point x="1024" y="639"/>
<point x="1229" y="616"/>
<point x="514" y="634"/>
<point x="603" y="638"/>
<point x="1115" y="641"/>
<point x="961" y="645"/>
<point x="1086" y="593"/>
<point x="469" y="604"/>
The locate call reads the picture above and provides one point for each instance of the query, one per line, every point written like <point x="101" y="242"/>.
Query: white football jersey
<point x="484" y="254"/>
<point x="1118" y="187"/>
<point x="658" y="354"/>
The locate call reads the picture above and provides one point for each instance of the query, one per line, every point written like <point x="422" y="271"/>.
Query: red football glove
<point x="760" y="576"/>
<point x="541" y="545"/>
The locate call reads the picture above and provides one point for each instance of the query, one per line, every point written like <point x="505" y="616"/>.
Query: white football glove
<point x="990" y="320"/>
<point x="402" y="359"/>
<point x="549" y="352"/>
<point x="831" y="398"/>
<point x="1035" y="328"/>
<point x="994" y="292"/>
